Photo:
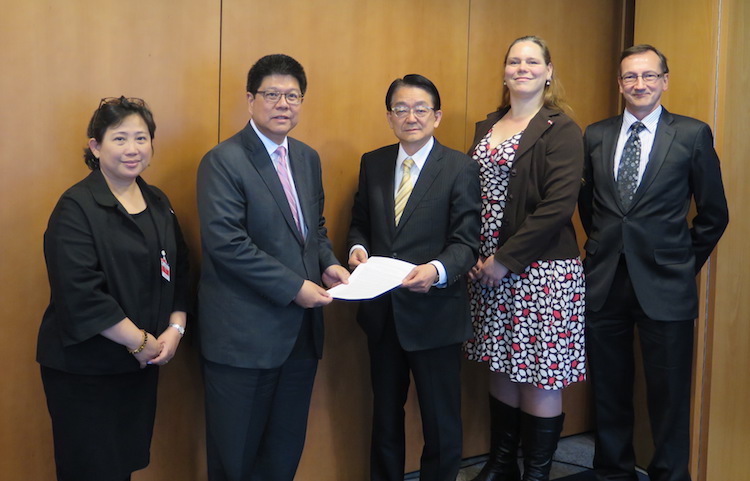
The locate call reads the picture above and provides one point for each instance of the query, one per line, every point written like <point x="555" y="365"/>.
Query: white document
<point x="376" y="276"/>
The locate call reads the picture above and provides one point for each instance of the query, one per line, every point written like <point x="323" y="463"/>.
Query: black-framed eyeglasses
<point x="420" y="111"/>
<point x="648" y="77"/>
<point x="272" y="96"/>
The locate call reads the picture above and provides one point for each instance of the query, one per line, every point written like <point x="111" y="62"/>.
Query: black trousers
<point x="667" y="349"/>
<point x="256" y="419"/>
<point x="437" y="379"/>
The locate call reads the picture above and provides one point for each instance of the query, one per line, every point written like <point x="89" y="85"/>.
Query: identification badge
<point x="165" y="270"/>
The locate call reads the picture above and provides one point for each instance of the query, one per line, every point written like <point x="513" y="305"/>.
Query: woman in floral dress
<point x="527" y="289"/>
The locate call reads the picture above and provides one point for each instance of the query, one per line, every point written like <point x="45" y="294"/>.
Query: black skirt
<point x="101" y="424"/>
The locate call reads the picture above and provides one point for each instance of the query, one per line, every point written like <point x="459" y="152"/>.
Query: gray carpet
<point x="575" y="454"/>
<point x="572" y="462"/>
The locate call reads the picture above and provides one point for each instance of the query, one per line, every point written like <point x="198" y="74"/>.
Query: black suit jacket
<point x="254" y="258"/>
<point x="440" y="222"/>
<point x="662" y="251"/>
<point x="101" y="270"/>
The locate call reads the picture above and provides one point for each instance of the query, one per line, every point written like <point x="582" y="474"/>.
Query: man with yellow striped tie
<point x="418" y="201"/>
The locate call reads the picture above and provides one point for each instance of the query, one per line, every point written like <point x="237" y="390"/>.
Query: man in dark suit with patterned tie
<point x="265" y="254"/>
<point x="642" y="170"/>
<point x="417" y="201"/>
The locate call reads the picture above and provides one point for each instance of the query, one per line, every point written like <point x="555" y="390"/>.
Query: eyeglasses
<point x="419" y="111"/>
<point x="121" y="100"/>
<point x="271" y="96"/>
<point x="649" y="78"/>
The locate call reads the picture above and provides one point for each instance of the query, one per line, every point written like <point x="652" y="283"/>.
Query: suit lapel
<point x="159" y="213"/>
<point x="609" y="144"/>
<point x="539" y="124"/>
<point x="258" y="156"/>
<point x="663" y="138"/>
<point x="430" y="170"/>
<point x="384" y="180"/>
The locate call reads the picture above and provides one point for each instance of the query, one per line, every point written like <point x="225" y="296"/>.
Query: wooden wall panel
<point x="59" y="59"/>
<point x="687" y="33"/>
<point x="584" y="48"/>
<point x="351" y="52"/>
<point x="584" y="41"/>
<point x="189" y="60"/>
<point x="728" y="428"/>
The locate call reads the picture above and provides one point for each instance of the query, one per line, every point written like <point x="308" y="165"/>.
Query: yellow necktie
<point x="404" y="188"/>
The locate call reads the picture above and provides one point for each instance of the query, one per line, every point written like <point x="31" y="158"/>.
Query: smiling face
<point x="642" y="98"/>
<point x="275" y="119"/>
<point x="413" y="132"/>
<point x="526" y="72"/>
<point x="124" y="151"/>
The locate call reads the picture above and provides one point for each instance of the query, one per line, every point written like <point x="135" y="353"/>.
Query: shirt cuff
<point x="358" y="246"/>
<point x="442" y="276"/>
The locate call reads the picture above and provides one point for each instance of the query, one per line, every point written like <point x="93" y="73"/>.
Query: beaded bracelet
<point x="143" y="345"/>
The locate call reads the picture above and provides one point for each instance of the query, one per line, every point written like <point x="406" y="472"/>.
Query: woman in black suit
<point x="528" y="286"/>
<point x="117" y="267"/>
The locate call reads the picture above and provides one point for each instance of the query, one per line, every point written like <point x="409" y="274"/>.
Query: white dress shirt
<point x="419" y="158"/>
<point x="271" y="147"/>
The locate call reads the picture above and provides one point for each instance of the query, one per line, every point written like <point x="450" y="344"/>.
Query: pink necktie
<point x="281" y="170"/>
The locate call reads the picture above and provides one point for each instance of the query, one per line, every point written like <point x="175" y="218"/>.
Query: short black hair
<point x="642" y="48"/>
<point x="413" y="80"/>
<point x="111" y="112"/>
<point x="275" y="64"/>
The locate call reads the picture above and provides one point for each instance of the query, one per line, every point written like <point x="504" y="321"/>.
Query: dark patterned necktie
<point x="627" y="172"/>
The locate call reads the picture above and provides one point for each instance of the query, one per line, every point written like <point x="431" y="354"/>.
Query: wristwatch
<point x="180" y="329"/>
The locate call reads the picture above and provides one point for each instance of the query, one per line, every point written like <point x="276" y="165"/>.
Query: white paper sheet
<point x="376" y="276"/>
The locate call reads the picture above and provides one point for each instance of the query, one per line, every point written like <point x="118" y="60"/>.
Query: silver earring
<point x="547" y="83"/>
<point x="504" y="83"/>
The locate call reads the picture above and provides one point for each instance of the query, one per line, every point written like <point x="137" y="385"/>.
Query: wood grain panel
<point x="729" y="420"/>
<point x="584" y="48"/>
<point x="692" y="87"/>
<point x="59" y="59"/>
<point x="584" y="40"/>
<point x="351" y="52"/>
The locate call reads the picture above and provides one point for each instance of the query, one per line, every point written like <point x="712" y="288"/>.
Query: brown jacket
<point x="543" y="190"/>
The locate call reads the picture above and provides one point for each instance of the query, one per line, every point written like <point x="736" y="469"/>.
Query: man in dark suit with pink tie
<point x="418" y="201"/>
<point x="642" y="170"/>
<point x="265" y="254"/>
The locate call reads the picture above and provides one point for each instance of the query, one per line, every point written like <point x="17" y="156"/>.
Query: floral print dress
<point x="531" y="326"/>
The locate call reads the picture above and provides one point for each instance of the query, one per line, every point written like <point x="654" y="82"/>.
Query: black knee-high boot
<point x="505" y="423"/>
<point x="539" y="438"/>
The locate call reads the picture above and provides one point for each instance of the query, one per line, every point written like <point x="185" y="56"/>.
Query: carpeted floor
<point x="572" y="462"/>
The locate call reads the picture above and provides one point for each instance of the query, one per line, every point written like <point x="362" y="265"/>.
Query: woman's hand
<point x="492" y="272"/>
<point x="169" y="340"/>
<point x="474" y="272"/>
<point x="149" y="352"/>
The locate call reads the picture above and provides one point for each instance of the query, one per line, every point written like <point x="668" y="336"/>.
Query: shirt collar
<point x="419" y="157"/>
<point x="269" y="144"/>
<point x="650" y="121"/>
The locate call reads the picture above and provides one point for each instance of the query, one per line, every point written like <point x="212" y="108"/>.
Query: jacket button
<point x="510" y="196"/>
<point x="513" y="172"/>
<point x="395" y="255"/>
